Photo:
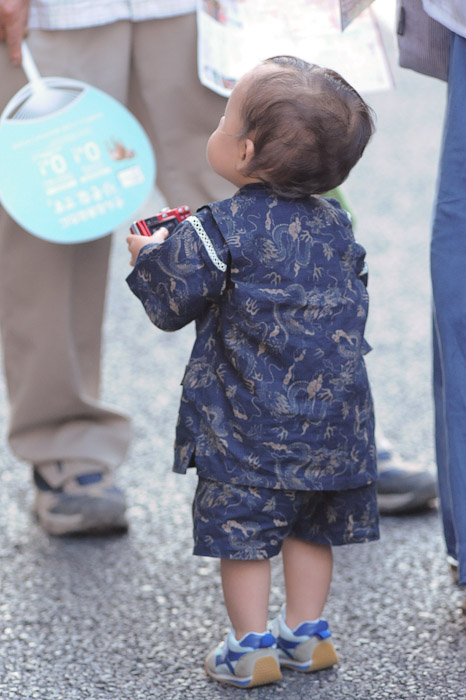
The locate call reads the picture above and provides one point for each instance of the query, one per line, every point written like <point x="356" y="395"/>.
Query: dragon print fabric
<point x="275" y="393"/>
<point x="250" y="522"/>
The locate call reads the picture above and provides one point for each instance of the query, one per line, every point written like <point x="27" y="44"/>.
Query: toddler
<point x="276" y="413"/>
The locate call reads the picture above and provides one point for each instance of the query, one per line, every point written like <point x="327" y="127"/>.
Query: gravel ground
<point x="131" y="617"/>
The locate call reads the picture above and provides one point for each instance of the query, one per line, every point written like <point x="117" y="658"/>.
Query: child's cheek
<point x="209" y="151"/>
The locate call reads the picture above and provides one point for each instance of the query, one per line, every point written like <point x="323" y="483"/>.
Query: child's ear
<point x="246" y="155"/>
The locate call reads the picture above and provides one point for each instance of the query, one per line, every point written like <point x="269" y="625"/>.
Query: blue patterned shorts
<point x="243" y="522"/>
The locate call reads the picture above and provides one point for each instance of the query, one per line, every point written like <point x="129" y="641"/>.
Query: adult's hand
<point x="13" y="26"/>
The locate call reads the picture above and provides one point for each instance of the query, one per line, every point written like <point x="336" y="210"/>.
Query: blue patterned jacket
<point x="276" y="392"/>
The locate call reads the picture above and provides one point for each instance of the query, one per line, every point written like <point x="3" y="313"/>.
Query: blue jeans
<point x="448" y="266"/>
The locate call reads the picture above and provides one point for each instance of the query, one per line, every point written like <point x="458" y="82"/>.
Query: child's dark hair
<point x="309" y="127"/>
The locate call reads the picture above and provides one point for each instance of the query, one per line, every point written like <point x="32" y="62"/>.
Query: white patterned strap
<point x="199" y="228"/>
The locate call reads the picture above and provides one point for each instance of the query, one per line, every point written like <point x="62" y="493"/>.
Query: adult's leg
<point x="52" y="296"/>
<point x="448" y="261"/>
<point x="441" y="445"/>
<point x="179" y="113"/>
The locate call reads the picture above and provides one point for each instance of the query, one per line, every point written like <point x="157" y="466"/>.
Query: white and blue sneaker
<point x="306" y="648"/>
<point x="251" y="661"/>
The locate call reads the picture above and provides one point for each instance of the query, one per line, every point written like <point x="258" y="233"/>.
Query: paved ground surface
<point x="131" y="618"/>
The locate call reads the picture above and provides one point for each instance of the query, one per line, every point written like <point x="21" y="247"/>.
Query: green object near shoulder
<point x="338" y="195"/>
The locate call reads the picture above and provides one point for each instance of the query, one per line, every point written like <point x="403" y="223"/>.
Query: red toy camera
<point x="169" y="218"/>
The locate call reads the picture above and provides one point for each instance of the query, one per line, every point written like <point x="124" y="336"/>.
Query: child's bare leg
<point x="246" y="589"/>
<point x="308" y="574"/>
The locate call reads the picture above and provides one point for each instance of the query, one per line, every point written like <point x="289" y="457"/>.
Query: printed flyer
<point x="235" y="35"/>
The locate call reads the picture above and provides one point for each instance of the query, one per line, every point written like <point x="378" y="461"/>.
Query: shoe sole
<point x="323" y="656"/>
<point x="266" y="670"/>
<point x="398" y="503"/>
<point x="112" y="521"/>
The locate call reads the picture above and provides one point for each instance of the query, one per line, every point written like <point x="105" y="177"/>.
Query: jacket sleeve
<point x="177" y="280"/>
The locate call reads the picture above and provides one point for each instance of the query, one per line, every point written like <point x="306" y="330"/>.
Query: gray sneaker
<point x="75" y="497"/>
<point x="403" y="487"/>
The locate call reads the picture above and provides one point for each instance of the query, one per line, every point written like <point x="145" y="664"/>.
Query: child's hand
<point x="135" y="243"/>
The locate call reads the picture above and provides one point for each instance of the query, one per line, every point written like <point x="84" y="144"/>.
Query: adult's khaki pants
<point x="52" y="295"/>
